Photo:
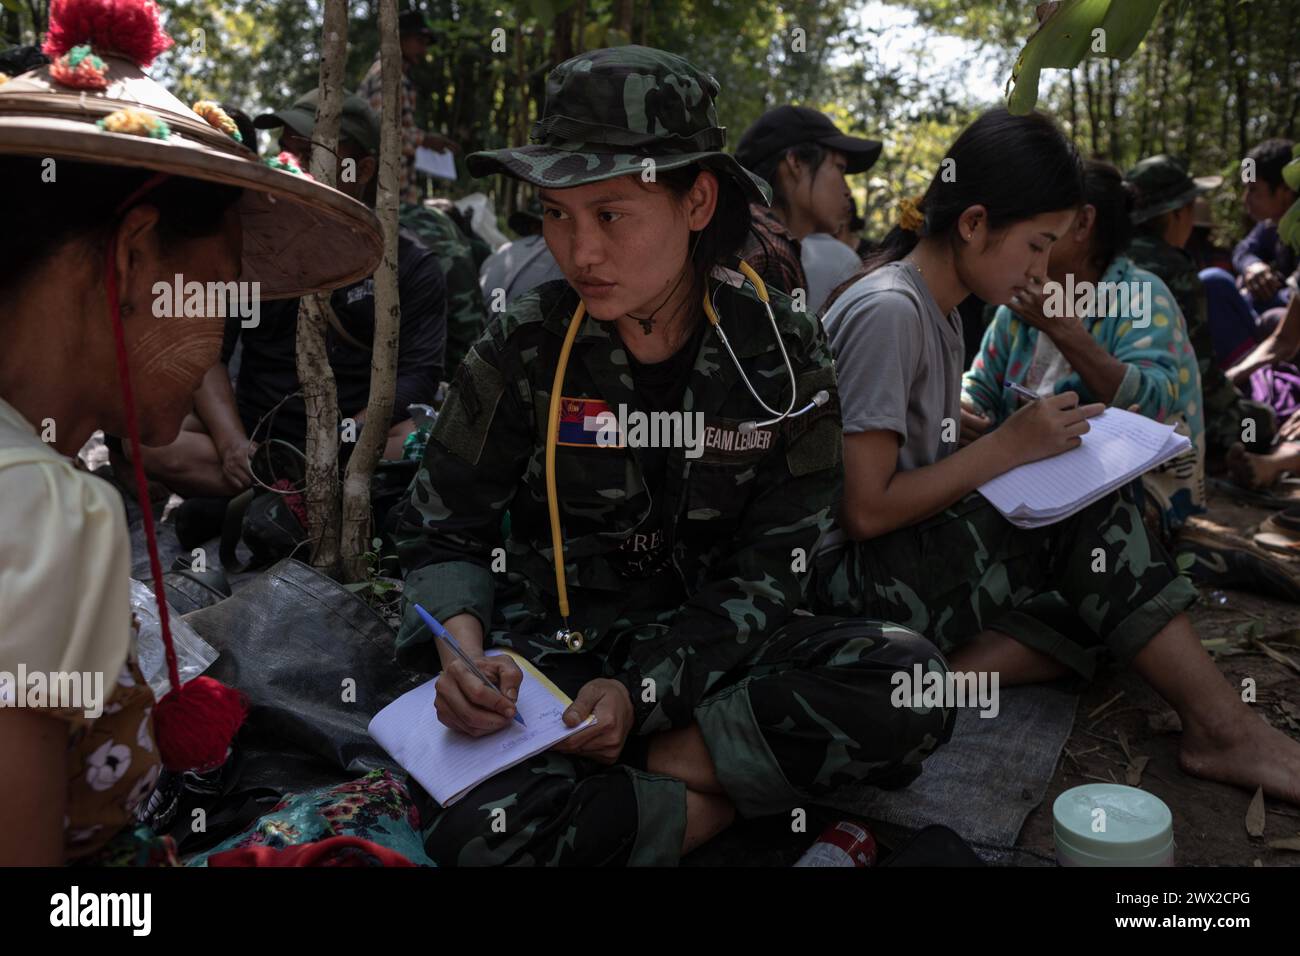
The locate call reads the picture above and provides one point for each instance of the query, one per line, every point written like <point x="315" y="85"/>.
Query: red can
<point x="842" y="844"/>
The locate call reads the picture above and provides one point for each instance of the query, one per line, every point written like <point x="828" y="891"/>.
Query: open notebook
<point x="1120" y="446"/>
<point x="448" y="763"/>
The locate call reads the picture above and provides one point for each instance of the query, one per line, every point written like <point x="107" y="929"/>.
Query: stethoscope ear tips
<point x="818" y="400"/>
<point x="573" y="640"/>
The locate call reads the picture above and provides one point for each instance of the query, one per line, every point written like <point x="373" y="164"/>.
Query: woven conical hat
<point x="299" y="235"/>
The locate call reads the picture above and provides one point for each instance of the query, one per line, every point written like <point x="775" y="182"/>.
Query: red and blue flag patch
<point x="582" y="421"/>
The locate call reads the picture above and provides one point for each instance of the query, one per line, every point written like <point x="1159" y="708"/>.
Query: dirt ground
<point x="1209" y="818"/>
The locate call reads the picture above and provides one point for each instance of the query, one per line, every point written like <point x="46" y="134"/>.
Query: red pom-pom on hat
<point x="126" y="27"/>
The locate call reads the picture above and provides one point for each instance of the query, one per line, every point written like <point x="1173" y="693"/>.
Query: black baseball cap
<point x="779" y="129"/>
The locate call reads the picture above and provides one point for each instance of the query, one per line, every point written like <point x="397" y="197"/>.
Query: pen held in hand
<point x="1022" y="391"/>
<point x="444" y="635"/>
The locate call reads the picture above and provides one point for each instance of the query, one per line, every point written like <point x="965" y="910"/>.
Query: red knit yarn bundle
<point x="129" y="28"/>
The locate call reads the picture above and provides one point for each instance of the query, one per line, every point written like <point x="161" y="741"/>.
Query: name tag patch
<point x="724" y="441"/>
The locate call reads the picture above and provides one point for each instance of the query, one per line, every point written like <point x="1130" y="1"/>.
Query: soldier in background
<point x="466" y="311"/>
<point x="1164" y="211"/>
<point x="522" y="265"/>
<point x="414" y="37"/>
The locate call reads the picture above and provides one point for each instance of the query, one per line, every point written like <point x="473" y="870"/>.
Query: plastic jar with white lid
<point x="1109" y="824"/>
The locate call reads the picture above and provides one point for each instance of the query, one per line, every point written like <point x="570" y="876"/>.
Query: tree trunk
<point x="1239" y="76"/>
<point x="520" y="134"/>
<point x="1112" y="96"/>
<point x="562" y="45"/>
<point x="314" y="373"/>
<point x="623" y="17"/>
<point x="1093" y="112"/>
<point x="580" y="26"/>
<point x="1190" y="112"/>
<point x="383" y="357"/>
<point x="1288" y="80"/>
<point x="1074" y="105"/>
<point x="1144" y="96"/>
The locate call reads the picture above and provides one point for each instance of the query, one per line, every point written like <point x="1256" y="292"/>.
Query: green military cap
<point x="358" y="121"/>
<point x="1163" y="185"/>
<point x="609" y="110"/>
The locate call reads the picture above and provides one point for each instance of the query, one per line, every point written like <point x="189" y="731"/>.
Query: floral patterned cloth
<point x="138" y="846"/>
<point x="113" y="766"/>
<point x="376" y="807"/>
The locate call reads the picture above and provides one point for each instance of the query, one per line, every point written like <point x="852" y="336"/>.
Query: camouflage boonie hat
<point x="607" y="111"/>
<point x="1163" y="185"/>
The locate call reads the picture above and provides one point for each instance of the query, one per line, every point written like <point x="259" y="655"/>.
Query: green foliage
<point x="1210" y="79"/>
<point x="1073" y="30"/>
<point x="382" y="593"/>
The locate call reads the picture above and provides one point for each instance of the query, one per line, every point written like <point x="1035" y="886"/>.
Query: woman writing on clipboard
<point x="656" y="583"/>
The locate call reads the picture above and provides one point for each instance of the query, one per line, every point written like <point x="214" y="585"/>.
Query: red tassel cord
<point x="195" y="723"/>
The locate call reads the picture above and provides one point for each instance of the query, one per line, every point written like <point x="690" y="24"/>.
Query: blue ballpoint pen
<point x="1022" y="391"/>
<point x="444" y="635"/>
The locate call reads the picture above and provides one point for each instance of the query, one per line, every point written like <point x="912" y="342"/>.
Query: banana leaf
<point x="1065" y="37"/>
<point x="1289" y="228"/>
<point x="1291" y="171"/>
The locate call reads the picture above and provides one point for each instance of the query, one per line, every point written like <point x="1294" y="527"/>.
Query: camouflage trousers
<point x="1099" y="580"/>
<point x="807" y="713"/>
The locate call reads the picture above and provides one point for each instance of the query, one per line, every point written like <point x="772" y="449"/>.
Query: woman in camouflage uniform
<point x="684" y="563"/>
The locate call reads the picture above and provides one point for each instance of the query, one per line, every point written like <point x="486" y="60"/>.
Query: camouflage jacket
<point x="1224" y="407"/>
<point x="466" y="311"/>
<point x="738" y="521"/>
<point x="1179" y="272"/>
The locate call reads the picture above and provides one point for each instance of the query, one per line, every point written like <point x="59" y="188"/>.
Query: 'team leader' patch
<point x="725" y="443"/>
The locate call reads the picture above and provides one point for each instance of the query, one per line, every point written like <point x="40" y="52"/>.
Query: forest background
<point x="1211" y="78"/>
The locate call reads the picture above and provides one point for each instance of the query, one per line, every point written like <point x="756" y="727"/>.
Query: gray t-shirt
<point x="518" y="267"/>
<point x="826" y="263"/>
<point x="898" y="362"/>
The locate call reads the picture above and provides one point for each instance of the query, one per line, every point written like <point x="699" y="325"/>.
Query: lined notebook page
<point x="1119" y="446"/>
<point x="448" y="763"/>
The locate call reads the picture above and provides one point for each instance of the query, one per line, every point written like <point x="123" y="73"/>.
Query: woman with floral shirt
<point x="1133" y="354"/>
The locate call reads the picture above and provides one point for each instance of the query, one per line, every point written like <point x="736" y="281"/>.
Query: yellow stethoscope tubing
<point x="552" y="439"/>
<point x="553" y="415"/>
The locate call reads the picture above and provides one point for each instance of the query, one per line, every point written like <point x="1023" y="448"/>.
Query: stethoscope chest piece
<point x="570" y="638"/>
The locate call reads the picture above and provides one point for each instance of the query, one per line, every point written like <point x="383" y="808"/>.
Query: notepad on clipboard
<point x="1118" y="447"/>
<point x="448" y="763"/>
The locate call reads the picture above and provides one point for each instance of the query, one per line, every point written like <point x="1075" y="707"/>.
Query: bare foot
<point x="1249" y="470"/>
<point x="1246" y="752"/>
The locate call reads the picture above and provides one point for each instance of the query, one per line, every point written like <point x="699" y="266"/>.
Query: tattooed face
<point x="174" y="337"/>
